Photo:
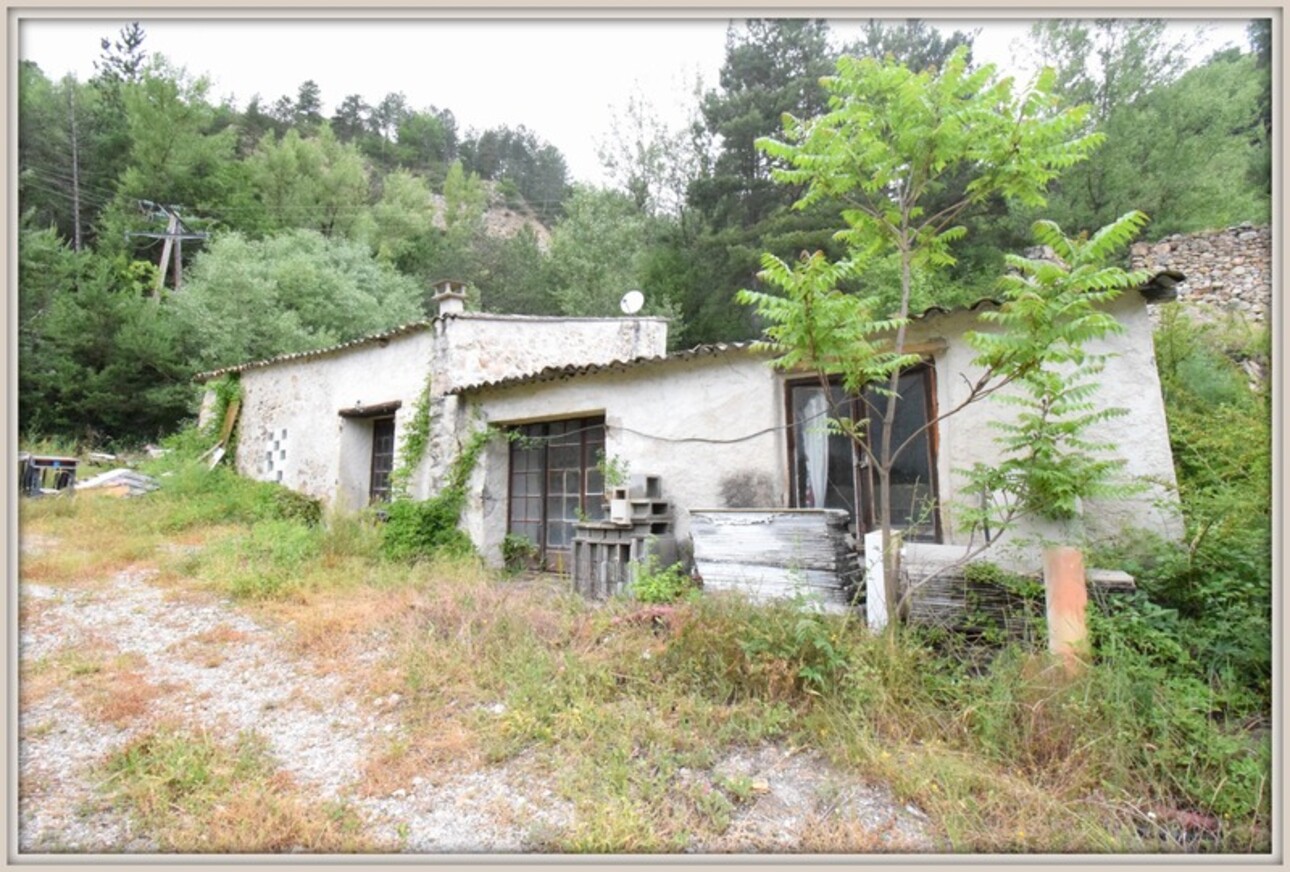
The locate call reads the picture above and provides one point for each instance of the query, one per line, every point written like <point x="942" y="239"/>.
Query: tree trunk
<point x="890" y="558"/>
<point x="76" y="170"/>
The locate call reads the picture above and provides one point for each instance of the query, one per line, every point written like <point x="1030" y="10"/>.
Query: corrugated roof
<point x="560" y="373"/>
<point x="410" y="327"/>
<point x="1158" y="287"/>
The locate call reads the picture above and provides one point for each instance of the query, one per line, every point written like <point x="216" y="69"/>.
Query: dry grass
<point x="479" y="670"/>
<point x="837" y="834"/>
<point x="424" y="748"/>
<point x="209" y="648"/>
<point x="196" y="795"/>
<point x="95" y="536"/>
<point x="335" y="625"/>
<point x="112" y="687"/>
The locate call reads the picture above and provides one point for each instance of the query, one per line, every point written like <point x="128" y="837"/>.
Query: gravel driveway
<point x="321" y="732"/>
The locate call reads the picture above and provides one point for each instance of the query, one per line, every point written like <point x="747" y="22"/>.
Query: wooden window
<point x="822" y="463"/>
<point x="554" y="481"/>
<point x="828" y="471"/>
<point x="382" y="459"/>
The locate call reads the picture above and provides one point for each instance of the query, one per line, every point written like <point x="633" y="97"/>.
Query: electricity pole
<point x="175" y="235"/>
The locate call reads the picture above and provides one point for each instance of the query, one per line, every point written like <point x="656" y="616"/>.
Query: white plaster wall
<point x="649" y="413"/>
<point x="1129" y="381"/>
<point x="328" y="457"/>
<point x="482" y="347"/>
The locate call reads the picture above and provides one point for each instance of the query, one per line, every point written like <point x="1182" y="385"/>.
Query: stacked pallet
<point x="777" y="554"/>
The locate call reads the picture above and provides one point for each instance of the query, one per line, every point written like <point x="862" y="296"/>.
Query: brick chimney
<point x="450" y="294"/>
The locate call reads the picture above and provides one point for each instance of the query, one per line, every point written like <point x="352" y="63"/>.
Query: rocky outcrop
<point x="1228" y="271"/>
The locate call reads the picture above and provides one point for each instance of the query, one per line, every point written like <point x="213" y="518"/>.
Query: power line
<point x="176" y="233"/>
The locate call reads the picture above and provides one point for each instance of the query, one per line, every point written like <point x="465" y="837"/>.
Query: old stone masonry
<point x="1228" y="271"/>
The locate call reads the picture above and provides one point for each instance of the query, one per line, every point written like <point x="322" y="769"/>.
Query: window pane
<point x="822" y="461"/>
<point x="912" y="494"/>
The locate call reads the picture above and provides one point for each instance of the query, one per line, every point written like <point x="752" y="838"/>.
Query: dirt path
<point x="196" y="662"/>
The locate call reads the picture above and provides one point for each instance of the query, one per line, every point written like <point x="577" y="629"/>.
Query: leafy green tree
<point x="1179" y="142"/>
<point x="735" y="209"/>
<point x="1260" y="35"/>
<point x="99" y="361"/>
<point x="464" y="202"/>
<point x="307" y="115"/>
<point x="512" y="275"/>
<point x="318" y="183"/>
<point x="352" y="118"/>
<point x="1181" y="152"/>
<point x="536" y="168"/>
<point x="383" y="122"/>
<point x="1108" y="62"/>
<point x="45" y="153"/>
<point x="424" y="142"/>
<point x="652" y="162"/>
<point x="175" y="157"/>
<point x="123" y="59"/>
<point x="913" y="42"/>
<point x="252" y="125"/>
<point x="771" y="67"/>
<point x="251" y="299"/>
<point x="890" y="138"/>
<point x="403" y="228"/>
<point x="595" y="252"/>
<point x="1052" y="307"/>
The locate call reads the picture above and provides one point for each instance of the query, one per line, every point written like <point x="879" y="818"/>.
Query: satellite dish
<point x="631" y="302"/>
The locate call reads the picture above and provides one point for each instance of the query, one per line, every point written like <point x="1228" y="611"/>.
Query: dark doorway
<point x="382" y="459"/>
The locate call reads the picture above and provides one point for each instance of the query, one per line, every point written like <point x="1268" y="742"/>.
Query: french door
<point x="554" y="481"/>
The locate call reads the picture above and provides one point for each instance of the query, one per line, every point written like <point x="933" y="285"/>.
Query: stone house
<point x="715" y="426"/>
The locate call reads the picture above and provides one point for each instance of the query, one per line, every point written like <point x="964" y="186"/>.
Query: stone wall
<point x="1227" y="270"/>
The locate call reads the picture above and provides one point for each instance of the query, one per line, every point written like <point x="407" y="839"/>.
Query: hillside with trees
<point x="297" y="230"/>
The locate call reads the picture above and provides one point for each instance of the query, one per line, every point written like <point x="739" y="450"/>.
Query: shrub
<point x="518" y="552"/>
<point x="425" y="528"/>
<point x="733" y="649"/>
<point x="270" y="560"/>
<point x="420" y="529"/>
<point x="660" y="584"/>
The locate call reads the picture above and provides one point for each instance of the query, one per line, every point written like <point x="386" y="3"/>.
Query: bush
<point x="732" y="649"/>
<point x="271" y="559"/>
<point x="426" y="528"/>
<point x="518" y="552"/>
<point x="421" y="529"/>
<point x="660" y="584"/>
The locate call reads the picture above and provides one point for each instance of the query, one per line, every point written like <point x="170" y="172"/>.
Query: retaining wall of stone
<point x="1228" y="270"/>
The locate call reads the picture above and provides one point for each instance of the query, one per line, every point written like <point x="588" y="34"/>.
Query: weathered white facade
<point x="708" y="423"/>
<point x="307" y="419"/>
<point x="715" y="423"/>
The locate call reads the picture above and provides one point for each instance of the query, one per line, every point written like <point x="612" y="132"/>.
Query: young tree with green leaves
<point x="1052" y="309"/>
<point x="889" y="140"/>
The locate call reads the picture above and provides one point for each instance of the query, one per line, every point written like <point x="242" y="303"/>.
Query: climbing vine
<point x="227" y="390"/>
<point x="416" y="439"/>
<point x="429" y="527"/>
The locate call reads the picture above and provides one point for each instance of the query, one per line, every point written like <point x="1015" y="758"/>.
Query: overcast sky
<point x="560" y="79"/>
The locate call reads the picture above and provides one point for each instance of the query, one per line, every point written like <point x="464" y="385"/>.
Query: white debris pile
<point x="126" y="482"/>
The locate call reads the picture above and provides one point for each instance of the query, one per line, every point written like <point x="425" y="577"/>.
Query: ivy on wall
<point x="426" y="528"/>
<point x="416" y="439"/>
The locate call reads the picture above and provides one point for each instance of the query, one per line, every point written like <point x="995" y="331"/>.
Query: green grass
<point x="615" y="701"/>
<point x="194" y="794"/>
